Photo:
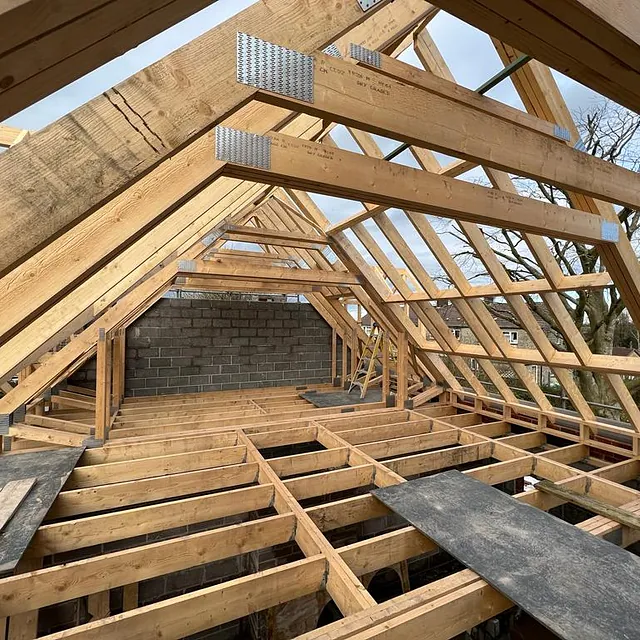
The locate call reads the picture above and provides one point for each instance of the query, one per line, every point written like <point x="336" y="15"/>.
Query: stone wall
<point x="186" y="346"/>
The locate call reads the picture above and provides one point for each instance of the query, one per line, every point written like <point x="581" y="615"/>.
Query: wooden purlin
<point x="595" y="43"/>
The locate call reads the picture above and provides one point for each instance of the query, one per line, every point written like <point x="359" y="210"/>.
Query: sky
<point x="468" y="52"/>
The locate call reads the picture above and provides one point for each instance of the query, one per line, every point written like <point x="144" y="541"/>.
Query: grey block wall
<point x="186" y="346"/>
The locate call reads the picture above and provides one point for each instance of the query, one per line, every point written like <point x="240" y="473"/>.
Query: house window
<point x="456" y="333"/>
<point x="536" y="372"/>
<point x="511" y="336"/>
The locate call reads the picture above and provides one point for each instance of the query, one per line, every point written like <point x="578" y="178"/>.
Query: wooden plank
<point x="9" y="135"/>
<point x="330" y="482"/>
<point x="97" y="575"/>
<point x="58" y="424"/>
<point x="409" y="444"/>
<point x="446" y="608"/>
<point x="311" y="166"/>
<point x="24" y="626"/>
<point x="11" y="497"/>
<point x="52" y="436"/>
<point x="616" y="514"/>
<point x="309" y="462"/>
<point x="112" y="496"/>
<point x="115" y="472"/>
<point x="436" y="460"/>
<point x="385" y="550"/>
<point x="447" y="88"/>
<point x="219" y="268"/>
<point x="310" y="245"/>
<point x="51" y="468"/>
<point x="205" y="608"/>
<point x="334" y="515"/>
<point x="119" y="525"/>
<point x="98" y="605"/>
<point x="268" y="234"/>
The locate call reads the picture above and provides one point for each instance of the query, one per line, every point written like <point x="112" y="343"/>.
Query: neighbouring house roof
<point x="626" y="351"/>
<point x="500" y="311"/>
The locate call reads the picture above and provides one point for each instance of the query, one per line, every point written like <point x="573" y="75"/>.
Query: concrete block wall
<point x="187" y="346"/>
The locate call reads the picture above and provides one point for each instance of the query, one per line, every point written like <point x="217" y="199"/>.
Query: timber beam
<point x="595" y="43"/>
<point x="361" y="98"/>
<point x="38" y="57"/>
<point x="310" y="166"/>
<point x="218" y="268"/>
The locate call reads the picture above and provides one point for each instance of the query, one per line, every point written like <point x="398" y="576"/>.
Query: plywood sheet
<point x="577" y="585"/>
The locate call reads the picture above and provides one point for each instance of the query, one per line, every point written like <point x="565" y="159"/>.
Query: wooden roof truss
<point x="154" y="200"/>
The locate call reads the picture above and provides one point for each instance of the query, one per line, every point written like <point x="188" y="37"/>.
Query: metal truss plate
<point x="580" y="146"/>
<point x="273" y="68"/>
<point x="20" y="413"/>
<point x="610" y="231"/>
<point x="562" y="133"/>
<point x="187" y="266"/>
<point x="211" y="237"/>
<point x="332" y="50"/>
<point x="241" y="147"/>
<point x="358" y="52"/>
<point x="365" y="5"/>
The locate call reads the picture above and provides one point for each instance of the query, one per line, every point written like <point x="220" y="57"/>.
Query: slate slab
<point x="577" y="585"/>
<point x="51" y="470"/>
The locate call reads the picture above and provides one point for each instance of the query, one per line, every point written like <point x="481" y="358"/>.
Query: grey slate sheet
<point x="51" y="468"/>
<point x="575" y="584"/>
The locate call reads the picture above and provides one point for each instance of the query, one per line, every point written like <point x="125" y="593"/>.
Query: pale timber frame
<point x="118" y="242"/>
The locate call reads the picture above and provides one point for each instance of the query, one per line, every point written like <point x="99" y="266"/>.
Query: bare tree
<point x="612" y="133"/>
